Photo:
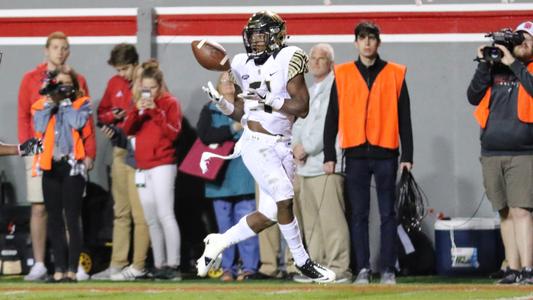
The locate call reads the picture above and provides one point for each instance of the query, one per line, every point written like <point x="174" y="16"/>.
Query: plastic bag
<point x="411" y="202"/>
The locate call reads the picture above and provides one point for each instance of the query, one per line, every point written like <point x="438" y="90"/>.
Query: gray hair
<point x="326" y="47"/>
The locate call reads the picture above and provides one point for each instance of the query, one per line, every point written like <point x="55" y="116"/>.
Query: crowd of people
<point x="301" y="156"/>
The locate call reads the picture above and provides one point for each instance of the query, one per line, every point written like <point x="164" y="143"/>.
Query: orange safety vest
<point x="525" y="105"/>
<point x="369" y="115"/>
<point x="44" y="160"/>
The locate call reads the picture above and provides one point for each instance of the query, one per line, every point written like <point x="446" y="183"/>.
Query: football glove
<point x="222" y="104"/>
<point x="30" y="147"/>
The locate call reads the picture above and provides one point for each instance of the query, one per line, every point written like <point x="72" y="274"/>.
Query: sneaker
<point x="526" y="276"/>
<point x="81" y="275"/>
<point x="168" y="273"/>
<point x="105" y="274"/>
<point x="214" y="245"/>
<point x="301" y="278"/>
<point x="510" y="277"/>
<point x="127" y="274"/>
<point x="388" y="277"/>
<point x="316" y="272"/>
<point x="37" y="272"/>
<point x="364" y="276"/>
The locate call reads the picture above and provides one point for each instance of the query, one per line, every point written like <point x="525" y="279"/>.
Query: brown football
<point x="210" y="55"/>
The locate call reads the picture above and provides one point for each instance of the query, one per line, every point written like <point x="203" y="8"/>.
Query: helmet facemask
<point x="264" y="34"/>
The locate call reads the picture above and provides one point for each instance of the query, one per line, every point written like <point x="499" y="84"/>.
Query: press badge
<point x="140" y="178"/>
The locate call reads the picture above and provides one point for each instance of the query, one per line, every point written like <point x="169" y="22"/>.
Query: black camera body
<point x="56" y="90"/>
<point x="505" y="37"/>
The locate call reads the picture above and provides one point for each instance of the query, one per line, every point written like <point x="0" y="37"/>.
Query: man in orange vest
<point x="369" y="109"/>
<point x="503" y="94"/>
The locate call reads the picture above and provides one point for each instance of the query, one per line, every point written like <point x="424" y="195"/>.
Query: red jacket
<point x="155" y="132"/>
<point x="117" y="95"/>
<point x="29" y="94"/>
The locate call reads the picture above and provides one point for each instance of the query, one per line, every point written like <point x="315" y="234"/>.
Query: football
<point x="210" y="55"/>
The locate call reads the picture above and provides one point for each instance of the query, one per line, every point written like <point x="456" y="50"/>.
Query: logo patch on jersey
<point x="270" y="74"/>
<point x="245" y="76"/>
<point x="119" y="94"/>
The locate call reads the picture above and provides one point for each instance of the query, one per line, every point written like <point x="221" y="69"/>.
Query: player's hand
<point x="262" y="95"/>
<point x="212" y="93"/>
<point x="30" y="147"/>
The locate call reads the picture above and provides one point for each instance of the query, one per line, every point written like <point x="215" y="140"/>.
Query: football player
<point x="271" y="77"/>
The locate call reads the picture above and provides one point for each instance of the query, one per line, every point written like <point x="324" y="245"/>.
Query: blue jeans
<point x="228" y="213"/>
<point x="358" y="175"/>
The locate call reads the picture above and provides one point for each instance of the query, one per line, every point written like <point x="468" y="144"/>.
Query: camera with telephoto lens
<point x="56" y="89"/>
<point x="505" y="37"/>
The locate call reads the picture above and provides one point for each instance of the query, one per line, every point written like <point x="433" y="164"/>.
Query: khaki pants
<point x="127" y="208"/>
<point x="326" y="234"/>
<point x="270" y="248"/>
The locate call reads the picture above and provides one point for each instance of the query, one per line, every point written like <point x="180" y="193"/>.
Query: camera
<point x="505" y="37"/>
<point x="55" y="89"/>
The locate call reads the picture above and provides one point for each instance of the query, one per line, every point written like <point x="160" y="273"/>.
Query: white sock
<point x="238" y="232"/>
<point x="291" y="233"/>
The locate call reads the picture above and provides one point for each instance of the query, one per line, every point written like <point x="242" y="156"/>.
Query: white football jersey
<point x="276" y="73"/>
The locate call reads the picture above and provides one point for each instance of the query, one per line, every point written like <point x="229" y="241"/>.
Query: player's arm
<point x="8" y="149"/>
<point x="298" y="105"/>
<point x="238" y="110"/>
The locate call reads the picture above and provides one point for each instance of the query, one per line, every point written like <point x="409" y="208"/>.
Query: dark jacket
<point x="504" y="133"/>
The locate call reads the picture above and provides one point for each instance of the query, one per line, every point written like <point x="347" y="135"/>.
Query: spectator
<point x="128" y="213"/>
<point x="56" y="51"/>
<point x="61" y="119"/>
<point x="503" y="93"/>
<point x="320" y="195"/>
<point x="369" y="109"/>
<point x="233" y="193"/>
<point x="156" y="123"/>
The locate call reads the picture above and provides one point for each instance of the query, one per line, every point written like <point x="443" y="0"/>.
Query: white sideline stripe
<point x="237" y="39"/>
<point x="73" y="40"/>
<point x="338" y="38"/>
<point x="195" y="10"/>
<point x="67" y="12"/>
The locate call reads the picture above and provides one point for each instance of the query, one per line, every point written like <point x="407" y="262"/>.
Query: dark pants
<point x="358" y="175"/>
<point x="63" y="198"/>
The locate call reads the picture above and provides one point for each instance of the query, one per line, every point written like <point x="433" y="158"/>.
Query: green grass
<point x="412" y="288"/>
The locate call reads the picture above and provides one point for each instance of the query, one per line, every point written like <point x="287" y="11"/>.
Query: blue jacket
<point x="215" y="127"/>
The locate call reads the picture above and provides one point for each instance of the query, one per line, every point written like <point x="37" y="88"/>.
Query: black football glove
<point x="30" y="147"/>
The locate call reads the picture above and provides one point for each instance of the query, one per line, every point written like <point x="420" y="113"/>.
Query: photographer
<point x="61" y="119"/>
<point x="503" y="94"/>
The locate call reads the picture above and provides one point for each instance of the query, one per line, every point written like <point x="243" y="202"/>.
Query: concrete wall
<point x="445" y="134"/>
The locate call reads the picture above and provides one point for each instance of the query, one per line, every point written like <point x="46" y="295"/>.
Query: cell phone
<point x="116" y="110"/>
<point x="145" y="94"/>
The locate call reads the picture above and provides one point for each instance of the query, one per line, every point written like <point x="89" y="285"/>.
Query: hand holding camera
<point x="503" y="43"/>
